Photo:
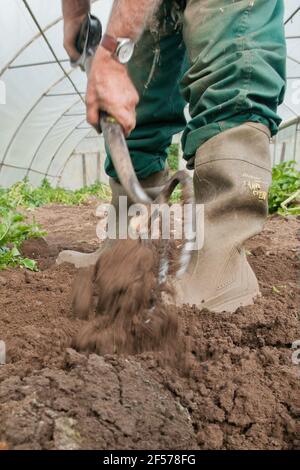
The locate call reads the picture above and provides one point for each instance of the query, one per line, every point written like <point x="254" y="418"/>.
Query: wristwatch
<point x="121" y="48"/>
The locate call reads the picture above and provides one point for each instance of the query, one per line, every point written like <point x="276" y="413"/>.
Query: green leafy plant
<point x="13" y="231"/>
<point x="25" y="195"/>
<point x="285" y="186"/>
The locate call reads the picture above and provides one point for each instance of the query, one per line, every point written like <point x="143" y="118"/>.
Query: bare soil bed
<point x="243" y="390"/>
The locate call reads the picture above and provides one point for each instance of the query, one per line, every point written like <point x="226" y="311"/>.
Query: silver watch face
<point x="125" y="50"/>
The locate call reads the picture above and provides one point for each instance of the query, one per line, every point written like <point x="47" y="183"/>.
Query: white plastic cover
<point x="43" y="131"/>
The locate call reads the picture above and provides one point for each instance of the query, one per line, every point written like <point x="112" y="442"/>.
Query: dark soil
<point x="242" y="391"/>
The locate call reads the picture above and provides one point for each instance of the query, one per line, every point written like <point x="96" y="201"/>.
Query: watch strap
<point x="109" y="43"/>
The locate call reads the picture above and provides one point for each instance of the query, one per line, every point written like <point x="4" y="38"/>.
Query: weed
<point x="285" y="184"/>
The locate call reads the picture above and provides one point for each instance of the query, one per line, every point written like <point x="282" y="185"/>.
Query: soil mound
<point x="242" y="391"/>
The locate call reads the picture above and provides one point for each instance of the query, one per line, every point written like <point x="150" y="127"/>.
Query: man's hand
<point x="110" y="89"/>
<point x="71" y="31"/>
<point x="74" y="13"/>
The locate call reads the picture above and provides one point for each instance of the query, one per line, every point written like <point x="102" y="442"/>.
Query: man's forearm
<point x="75" y="9"/>
<point x="129" y="17"/>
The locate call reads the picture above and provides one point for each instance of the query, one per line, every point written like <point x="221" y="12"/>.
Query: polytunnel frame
<point x="48" y="133"/>
<point x="66" y="75"/>
<point x="27" y="115"/>
<point x="61" y="145"/>
<point x="61" y="171"/>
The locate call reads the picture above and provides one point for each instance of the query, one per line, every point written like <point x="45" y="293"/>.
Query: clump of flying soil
<point x="122" y="299"/>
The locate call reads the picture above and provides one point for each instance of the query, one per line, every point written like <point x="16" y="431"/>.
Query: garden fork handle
<point x="112" y="131"/>
<point x="117" y="146"/>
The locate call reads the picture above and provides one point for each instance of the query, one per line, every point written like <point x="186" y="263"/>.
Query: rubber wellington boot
<point x="153" y="185"/>
<point x="232" y="176"/>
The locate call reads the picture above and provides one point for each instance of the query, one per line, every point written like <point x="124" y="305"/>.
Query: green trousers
<point x="225" y="58"/>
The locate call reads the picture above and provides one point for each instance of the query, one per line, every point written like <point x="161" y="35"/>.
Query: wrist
<point x="107" y="57"/>
<point x="121" y="49"/>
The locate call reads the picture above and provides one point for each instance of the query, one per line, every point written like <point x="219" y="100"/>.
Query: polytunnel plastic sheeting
<point x="43" y="119"/>
<point x="42" y="125"/>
